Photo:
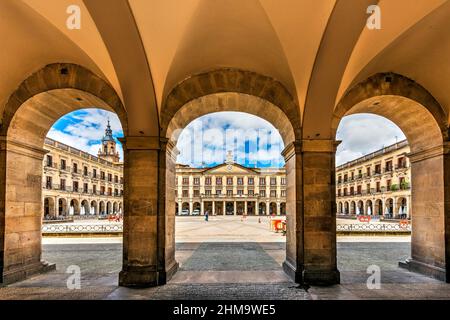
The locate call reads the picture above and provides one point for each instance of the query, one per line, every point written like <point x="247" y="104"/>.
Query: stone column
<point x="430" y="211"/>
<point x="245" y="207"/>
<point x="191" y="206"/>
<point x="224" y="211"/>
<point x="311" y="212"/>
<point x="146" y="242"/>
<point x="267" y="207"/>
<point x="202" y="207"/>
<point x="213" y="208"/>
<point x="235" y="207"/>
<point x="278" y="209"/>
<point x="256" y="207"/>
<point x="20" y="211"/>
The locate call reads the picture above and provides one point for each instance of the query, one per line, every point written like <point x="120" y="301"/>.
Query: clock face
<point x="229" y="167"/>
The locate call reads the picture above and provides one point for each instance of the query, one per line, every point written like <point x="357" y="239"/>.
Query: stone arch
<point x="360" y="207"/>
<point x="115" y="208"/>
<point x="396" y="98"/>
<point x="346" y="208"/>
<point x="353" y="207"/>
<point x="262" y="208"/>
<point x="108" y="207"/>
<point x="283" y="208"/>
<point x="29" y="113"/>
<point x="196" y="206"/>
<point x="369" y="205"/>
<point x="378" y="208"/>
<point x="401" y="206"/>
<point x="185" y="206"/>
<point x="231" y="90"/>
<point x="389" y="206"/>
<point x="101" y="207"/>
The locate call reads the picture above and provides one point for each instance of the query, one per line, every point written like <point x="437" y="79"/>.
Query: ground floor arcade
<point x="231" y="206"/>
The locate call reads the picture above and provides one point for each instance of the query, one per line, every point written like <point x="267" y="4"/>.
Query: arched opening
<point x="369" y="208"/>
<point x="49" y="208"/>
<point x="93" y="209"/>
<point x="262" y="209"/>
<point x="29" y="114"/>
<point x="102" y="208"/>
<point x="177" y="208"/>
<point x="408" y="165"/>
<point x="108" y="207"/>
<point x="62" y="207"/>
<point x="353" y="207"/>
<point x="272" y="208"/>
<point x="278" y="108"/>
<point x="346" y="208"/>
<point x="115" y="208"/>
<point x="360" y="208"/>
<point x="283" y="208"/>
<point x="196" y="208"/>
<point x="74" y="209"/>
<point x="85" y="208"/>
<point x="185" y="208"/>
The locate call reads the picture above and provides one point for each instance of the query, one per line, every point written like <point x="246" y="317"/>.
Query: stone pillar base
<point x="315" y="278"/>
<point x="165" y="276"/>
<point x="425" y="269"/>
<point x="138" y="277"/>
<point x="321" y="277"/>
<point x="23" y="272"/>
<point x="292" y="272"/>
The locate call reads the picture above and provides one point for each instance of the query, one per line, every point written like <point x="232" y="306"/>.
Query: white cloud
<point x="364" y="133"/>
<point x="85" y="128"/>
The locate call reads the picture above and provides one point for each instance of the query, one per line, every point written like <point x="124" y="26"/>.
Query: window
<point x="196" y="193"/>
<point x="62" y="184"/>
<point x="240" y="192"/>
<point x="219" y="181"/>
<point x="358" y="189"/>
<point x="353" y="175"/>
<point x="218" y="192"/>
<point x="401" y="162"/>
<point x="102" y="190"/>
<point x="262" y="181"/>
<point x="49" y="161"/>
<point x="345" y="192"/>
<point x="208" y="181"/>
<point x="251" y="192"/>
<point x="116" y="192"/>
<point x="273" y="193"/>
<point x="240" y="181"/>
<point x="185" y="193"/>
<point x="368" y="171"/>
<point x="208" y="192"/>
<point x="388" y="185"/>
<point x="63" y="164"/>
<point x="109" y="191"/>
<point x="339" y="179"/>
<point x="94" y="189"/>
<point x="273" y="181"/>
<point x="378" y="169"/>
<point x="368" y="187"/>
<point x="102" y="175"/>
<point x="94" y="173"/>
<point x="85" y="188"/>
<point x="48" y="183"/>
<point x="389" y="166"/>
<point x="283" y="181"/>
<point x="352" y="191"/>
<point x="196" y="181"/>
<point x="339" y="192"/>
<point x="109" y="177"/>
<point x="283" y="193"/>
<point x="345" y="177"/>
<point x="378" y="188"/>
<point x="85" y="170"/>
<point x="229" y="192"/>
<point x="75" y="167"/>
<point x="251" y="181"/>
<point x="116" y="179"/>
<point x="121" y="180"/>
<point x="229" y="181"/>
<point x="75" y="186"/>
<point x="185" y="181"/>
<point x="262" y="193"/>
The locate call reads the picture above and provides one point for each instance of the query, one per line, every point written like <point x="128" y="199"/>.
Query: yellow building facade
<point x="76" y="183"/>
<point x="230" y="189"/>
<point x="378" y="183"/>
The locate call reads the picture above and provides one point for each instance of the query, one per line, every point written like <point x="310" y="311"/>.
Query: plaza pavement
<point x="227" y="258"/>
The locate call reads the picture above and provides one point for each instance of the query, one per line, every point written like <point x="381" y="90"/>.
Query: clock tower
<point x="108" y="150"/>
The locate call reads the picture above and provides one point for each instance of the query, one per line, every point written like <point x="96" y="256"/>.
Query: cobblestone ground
<point x="248" y="267"/>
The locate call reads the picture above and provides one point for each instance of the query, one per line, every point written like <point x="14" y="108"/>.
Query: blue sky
<point x="84" y="129"/>
<point x="253" y="141"/>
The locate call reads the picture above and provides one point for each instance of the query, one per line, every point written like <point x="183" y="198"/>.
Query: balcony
<point x="50" y="166"/>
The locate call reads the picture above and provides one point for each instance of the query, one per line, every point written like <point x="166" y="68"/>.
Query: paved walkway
<point x="223" y="267"/>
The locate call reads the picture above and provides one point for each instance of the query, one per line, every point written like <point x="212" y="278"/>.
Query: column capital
<point x="140" y="143"/>
<point x="309" y="145"/>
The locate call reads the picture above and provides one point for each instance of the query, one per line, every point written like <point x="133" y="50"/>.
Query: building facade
<point x="377" y="184"/>
<point x="76" y="183"/>
<point x="231" y="189"/>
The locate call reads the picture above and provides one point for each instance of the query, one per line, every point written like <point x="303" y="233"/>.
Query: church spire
<point x="108" y="150"/>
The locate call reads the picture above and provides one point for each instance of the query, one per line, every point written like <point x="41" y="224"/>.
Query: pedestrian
<point x="206" y="215"/>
